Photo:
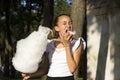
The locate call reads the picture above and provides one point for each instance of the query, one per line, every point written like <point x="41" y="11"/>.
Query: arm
<point x="73" y="58"/>
<point x="41" y="71"/>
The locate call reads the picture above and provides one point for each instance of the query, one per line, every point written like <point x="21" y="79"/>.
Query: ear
<point x="56" y="28"/>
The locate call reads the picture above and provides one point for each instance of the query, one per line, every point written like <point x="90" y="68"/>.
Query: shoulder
<point x="50" y="45"/>
<point x="78" y="41"/>
<point x="50" y="42"/>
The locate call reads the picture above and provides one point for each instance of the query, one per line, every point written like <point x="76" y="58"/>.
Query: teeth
<point x="72" y="32"/>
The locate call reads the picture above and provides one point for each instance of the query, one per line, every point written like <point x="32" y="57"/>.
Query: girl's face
<point x="64" y="24"/>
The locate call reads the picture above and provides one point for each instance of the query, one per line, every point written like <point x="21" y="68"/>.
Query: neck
<point x="58" y="44"/>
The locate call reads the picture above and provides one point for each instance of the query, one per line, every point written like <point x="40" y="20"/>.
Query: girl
<point x="63" y="53"/>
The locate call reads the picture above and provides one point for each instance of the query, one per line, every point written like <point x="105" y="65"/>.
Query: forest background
<point x="18" y="18"/>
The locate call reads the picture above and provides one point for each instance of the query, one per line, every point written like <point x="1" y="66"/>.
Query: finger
<point x="23" y="74"/>
<point x="69" y="37"/>
<point x="26" y="78"/>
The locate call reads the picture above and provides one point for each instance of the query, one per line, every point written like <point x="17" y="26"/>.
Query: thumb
<point x="26" y="78"/>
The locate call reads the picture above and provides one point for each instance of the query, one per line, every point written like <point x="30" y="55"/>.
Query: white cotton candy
<point x="72" y="32"/>
<point x="29" y="51"/>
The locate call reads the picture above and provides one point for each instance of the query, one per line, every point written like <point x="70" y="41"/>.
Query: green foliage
<point x="61" y="7"/>
<point x="20" y="17"/>
<point x="80" y="79"/>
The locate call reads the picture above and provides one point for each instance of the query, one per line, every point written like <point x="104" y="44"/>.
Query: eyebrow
<point x="68" y="22"/>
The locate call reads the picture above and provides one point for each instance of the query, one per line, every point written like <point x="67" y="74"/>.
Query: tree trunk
<point x="78" y="18"/>
<point x="8" y="42"/>
<point x="48" y="12"/>
<point x="48" y="7"/>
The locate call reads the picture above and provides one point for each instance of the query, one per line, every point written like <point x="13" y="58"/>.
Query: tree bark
<point x="78" y="19"/>
<point x="48" y="12"/>
<point x="78" y="16"/>
<point x="8" y="42"/>
<point x="48" y="7"/>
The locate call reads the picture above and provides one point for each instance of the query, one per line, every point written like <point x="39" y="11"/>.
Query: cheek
<point x="62" y="30"/>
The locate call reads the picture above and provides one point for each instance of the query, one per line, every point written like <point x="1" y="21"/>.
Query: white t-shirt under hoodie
<point x="57" y="58"/>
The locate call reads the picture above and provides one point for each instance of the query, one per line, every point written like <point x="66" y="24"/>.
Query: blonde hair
<point x="53" y="34"/>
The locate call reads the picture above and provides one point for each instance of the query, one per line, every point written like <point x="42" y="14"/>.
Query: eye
<point x="64" y="23"/>
<point x="70" y="23"/>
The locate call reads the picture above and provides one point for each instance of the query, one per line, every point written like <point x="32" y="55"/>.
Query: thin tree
<point x="48" y="10"/>
<point x="8" y="41"/>
<point x="78" y="18"/>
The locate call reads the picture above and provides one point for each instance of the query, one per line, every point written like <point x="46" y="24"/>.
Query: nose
<point x="69" y="26"/>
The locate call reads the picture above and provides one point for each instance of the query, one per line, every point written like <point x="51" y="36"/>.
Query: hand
<point x="65" y="39"/>
<point x="25" y="76"/>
